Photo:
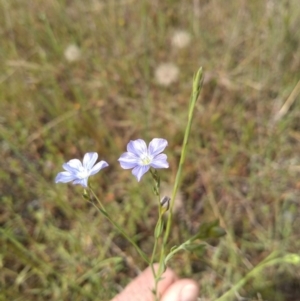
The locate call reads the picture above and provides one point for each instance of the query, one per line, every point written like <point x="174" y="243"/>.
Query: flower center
<point x="146" y="159"/>
<point x="82" y="173"/>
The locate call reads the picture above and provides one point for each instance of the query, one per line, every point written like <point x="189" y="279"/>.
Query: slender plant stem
<point x="152" y="261"/>
<point x="197" y="85"/>
<point x="105" y="213"/>
<point x="153" y="256"/>
<point x="157" y="233"/>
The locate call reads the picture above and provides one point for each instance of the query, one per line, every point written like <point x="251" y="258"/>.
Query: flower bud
<point x="165" y="203"/>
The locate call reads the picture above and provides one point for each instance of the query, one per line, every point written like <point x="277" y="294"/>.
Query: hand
<point x="170" y="288"/>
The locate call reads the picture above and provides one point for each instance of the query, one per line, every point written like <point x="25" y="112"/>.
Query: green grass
<point x="242" y="164"/>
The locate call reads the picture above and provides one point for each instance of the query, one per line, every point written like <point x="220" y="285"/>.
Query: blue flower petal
<point x="139" y="171"/>
<point x="82" y="182"/>
<point x="137" y="147"/>
<point x="156" y="146"/>
<point x="100" y="165"/>
<point x="160" y="161"/>
<point x="89" y="160"/>
<point x="64" y="177"/>
<point x="128" y="160"/>
<point x="73" y="165"/>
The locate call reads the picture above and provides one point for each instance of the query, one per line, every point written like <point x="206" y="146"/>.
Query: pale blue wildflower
<point x="78" y="172"/>
<point x="141" y="158"/>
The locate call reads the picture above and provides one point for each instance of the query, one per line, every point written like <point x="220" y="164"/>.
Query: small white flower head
<point x="141" y="158"/>
<point x="166" y="74"/>
<point x="180" y="39"/>
<point x="72" y="53"/>
<point x="78" y="172"/>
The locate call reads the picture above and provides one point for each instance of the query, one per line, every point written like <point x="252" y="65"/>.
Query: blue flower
<point x="78" y="172"/>
<point x="141" y="158"/>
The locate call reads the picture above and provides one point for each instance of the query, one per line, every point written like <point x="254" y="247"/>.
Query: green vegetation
<point x="242" y="163"/>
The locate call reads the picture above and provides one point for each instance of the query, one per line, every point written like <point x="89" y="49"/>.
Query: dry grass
<point x="243" y="161"/>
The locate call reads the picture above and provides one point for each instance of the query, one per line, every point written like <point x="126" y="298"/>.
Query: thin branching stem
<point x="197" y="85"/>
<point x="119" y="228"/>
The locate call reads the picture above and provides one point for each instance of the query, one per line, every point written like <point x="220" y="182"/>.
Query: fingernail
<point x="189" y="293"/>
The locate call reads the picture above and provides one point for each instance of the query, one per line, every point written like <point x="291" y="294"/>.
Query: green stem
<point x="197" y="85"/>
<point x="157" y="232"/>
<point x="176" y="250"/>
<point x="104" y="212"/>
<point x="152" y="262"/>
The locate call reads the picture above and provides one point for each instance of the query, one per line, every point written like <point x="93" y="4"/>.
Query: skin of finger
<point x="140" y="288"/>
<point x="174" y="290"/>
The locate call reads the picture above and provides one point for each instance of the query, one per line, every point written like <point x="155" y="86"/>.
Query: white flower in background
<point x="78" y="172"/>
<point x="166" y="74"/>
<point x="180" y="39"/>
<point x="72" y="53"/>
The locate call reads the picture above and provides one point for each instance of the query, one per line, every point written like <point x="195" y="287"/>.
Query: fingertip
<point x="141" y="286"/>
<point x="182" y="290"/>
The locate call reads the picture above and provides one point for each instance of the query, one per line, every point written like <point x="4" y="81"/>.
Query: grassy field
<point x="79" y="76"/>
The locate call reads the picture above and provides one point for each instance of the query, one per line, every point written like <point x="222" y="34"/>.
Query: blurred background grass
<point x="79" y="76"/>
